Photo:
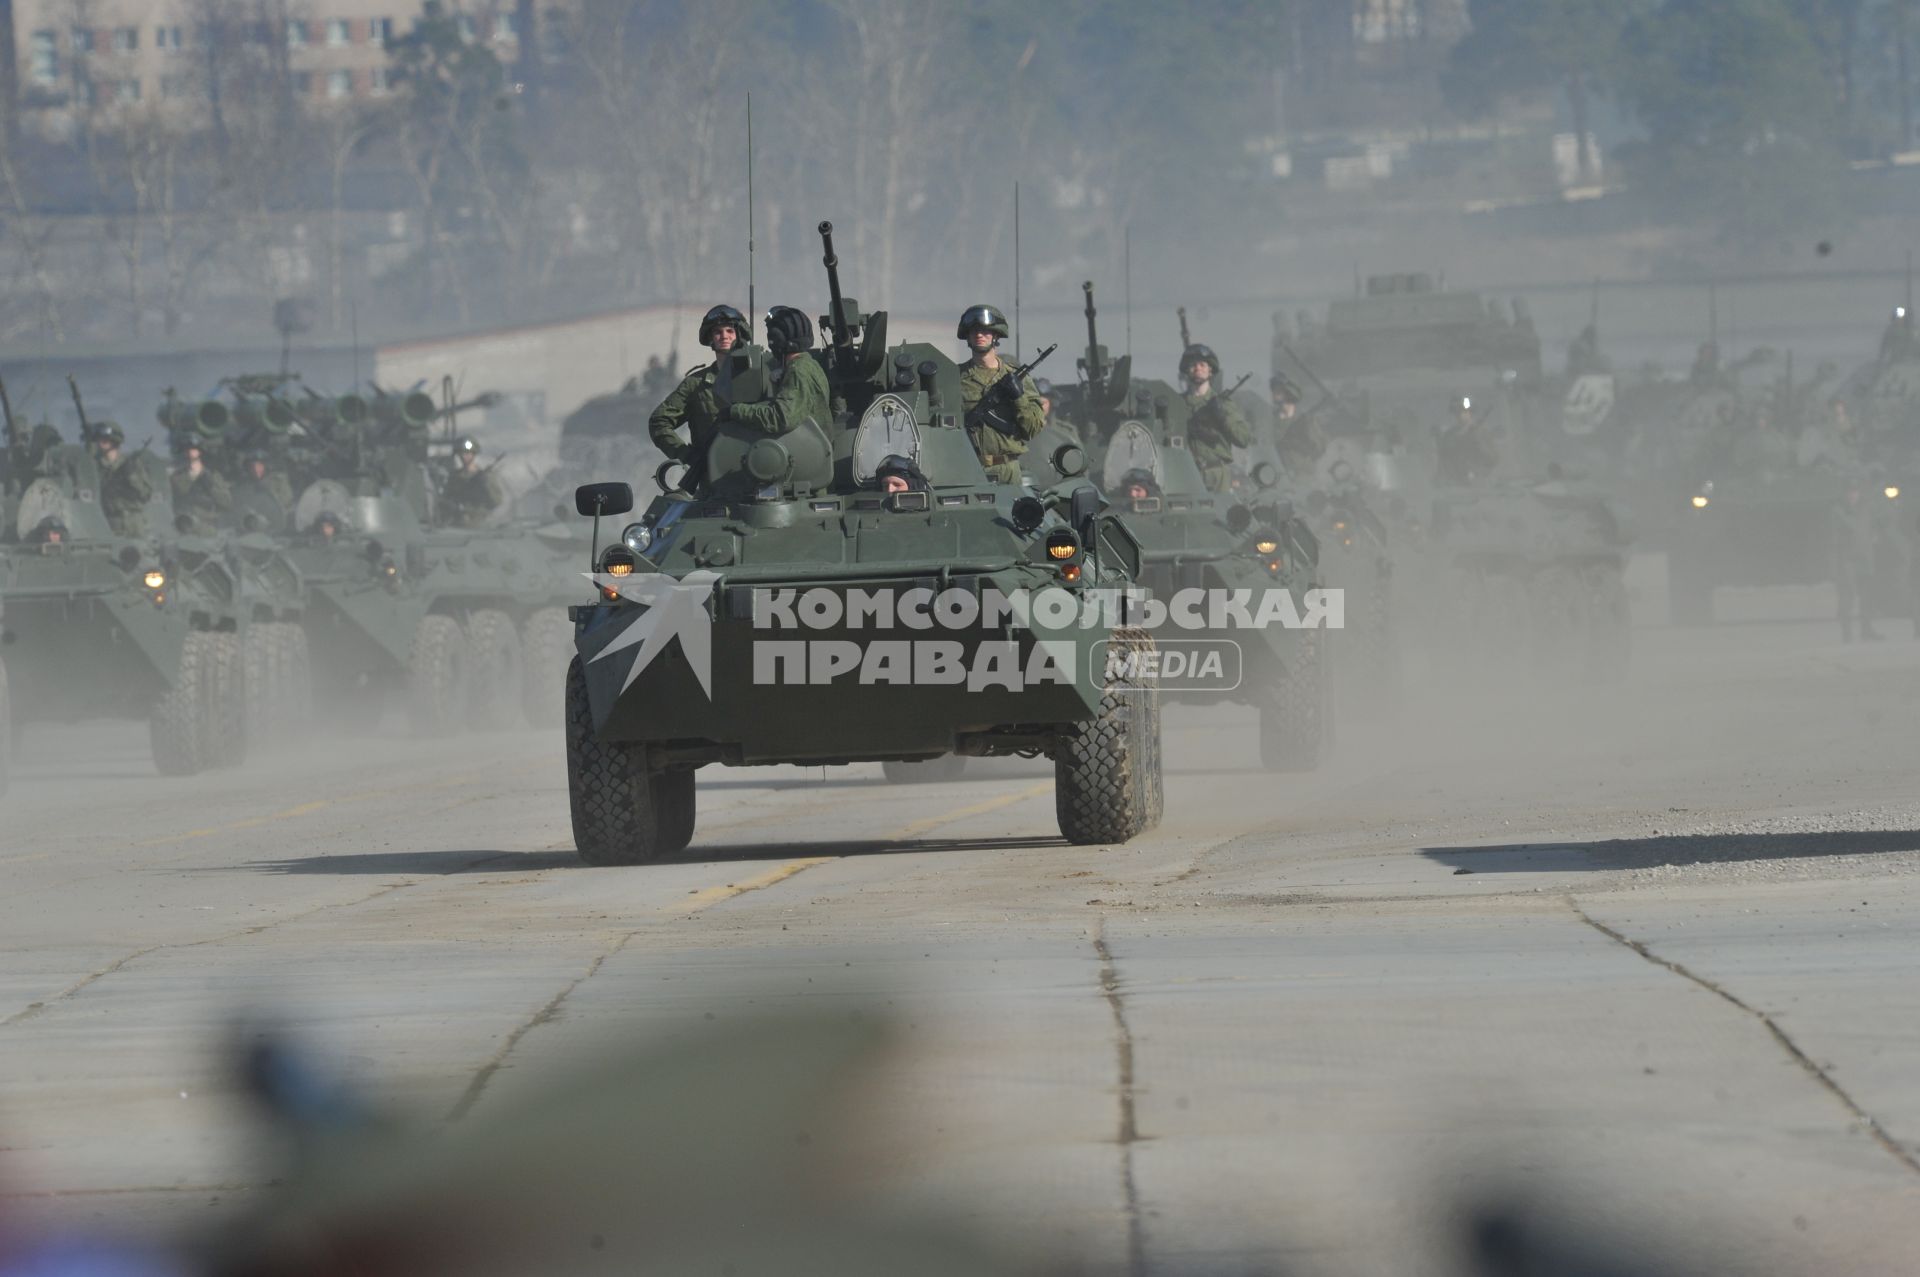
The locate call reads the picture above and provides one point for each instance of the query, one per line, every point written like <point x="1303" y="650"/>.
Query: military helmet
<point x="1197" y="353"/>
<point x="1140" y="476"/>
<point x="110" y="432"/>
<point x="44" y="531"/>
<point x="328" y="516"/>
<point x="788" y="330"/>
<point x="1282" y="387"/>
<point x="982" y="316"/>
<point x="722" y="315"/>
<point x="895" y="463"/>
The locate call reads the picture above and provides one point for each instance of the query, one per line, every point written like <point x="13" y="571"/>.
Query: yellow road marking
<point x="715" y="895"/>
<point x="712" y="896"/>
<point x="919" y="827"/>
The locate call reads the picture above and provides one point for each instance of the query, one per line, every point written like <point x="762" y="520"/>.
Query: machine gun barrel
<point x="836" y="319"/>
<point x="1096" y="375"/>
<point x="73" y="385"/>
<point x="13" y="429"/>
<point x="1186" y="334"/>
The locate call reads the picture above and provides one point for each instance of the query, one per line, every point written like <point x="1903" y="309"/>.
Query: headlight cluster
<point x="638" y="538"/>
<point x="155" y="579"/>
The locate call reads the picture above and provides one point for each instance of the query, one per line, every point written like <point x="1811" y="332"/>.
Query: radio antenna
<point x="753" y="308"/>
<point x="1016" y="272"/>
<point x="1126" y="243"/>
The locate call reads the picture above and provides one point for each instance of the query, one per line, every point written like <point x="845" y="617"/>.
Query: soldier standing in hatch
<point x="470" y="495"/>
<point x="1015" y="415"/>
<point x="200" y="495"/>
<point x="125" y="485"/>
<point x="1215" y="425"/>
<point x="692" y="403"/>
<point x="803" y="394"/>
<point x="261" y="480"/>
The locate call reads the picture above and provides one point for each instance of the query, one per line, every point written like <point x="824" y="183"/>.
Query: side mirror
<point x="1070" y="460"/>
<point x="594" y="499"/>
<point x="1081" y="507"/>
<point x="1239" y="519"/>
<point x="1116" y="546"/>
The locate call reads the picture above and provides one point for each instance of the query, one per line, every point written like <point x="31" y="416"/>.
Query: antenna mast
<point x="1126" y="254"/>
<point x="1016" y="272"/>
<point x="753" y="308"/>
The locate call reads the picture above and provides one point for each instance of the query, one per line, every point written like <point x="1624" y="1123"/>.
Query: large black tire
<point x="226" y="721"/>
<point x="258" y="656"/>
<point x="1368" y="666"/>
<point x="493" y="652"/>
<point x="6" y="731"/>
<point x="437" y="677"/>
<point x="613" y="799"/>
<point x="933" y="771"/>
<point x="1295" y="726"/>
<point x="546" y="644"/>
<point x="178" y="728"/>
<point x="1101" y="780"/>
<point x="674" y="799"/>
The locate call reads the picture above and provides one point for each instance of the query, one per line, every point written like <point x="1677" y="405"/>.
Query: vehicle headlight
<point x="618" y="561"/>
<point x="1700" y="503"/>
<point x="1893" y="491"/>
<point x="1266" y="545"/>
<point x="638" y="537"/>
<point x="155" y="579"/>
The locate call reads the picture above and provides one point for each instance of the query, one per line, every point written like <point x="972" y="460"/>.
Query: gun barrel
<point x="1095" y="374"/>
<point x="835" y="317"/>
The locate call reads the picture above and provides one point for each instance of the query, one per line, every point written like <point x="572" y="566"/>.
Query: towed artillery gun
<point x="743" y="624"/>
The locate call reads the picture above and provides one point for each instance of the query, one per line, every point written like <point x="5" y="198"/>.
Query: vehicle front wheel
<point x="1104" y="771"/>
<point x="619" y="817"/>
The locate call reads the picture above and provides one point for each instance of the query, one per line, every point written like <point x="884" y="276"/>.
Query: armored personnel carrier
<point x="1517" y="556"/>
<point x="453" y="619"/>
<point x="797" y="610"/>
<point x="1213" y="547"/>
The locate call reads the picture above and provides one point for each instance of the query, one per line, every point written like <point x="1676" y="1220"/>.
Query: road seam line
<point x="1880" y="1134"/>
<point x="1129" y="1129"/>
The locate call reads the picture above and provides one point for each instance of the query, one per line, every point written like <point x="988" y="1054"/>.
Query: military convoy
<point x="801" y="607"/>
<point x="1510" y="555"/>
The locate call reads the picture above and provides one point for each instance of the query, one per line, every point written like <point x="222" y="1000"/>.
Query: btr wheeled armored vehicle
<point x="1249" y="562"/>
<point x="796" y="609"/>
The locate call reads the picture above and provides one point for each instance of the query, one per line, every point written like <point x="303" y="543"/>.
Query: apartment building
<point x="70" y="53"/>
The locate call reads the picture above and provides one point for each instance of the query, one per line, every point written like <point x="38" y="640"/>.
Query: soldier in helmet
<point x="1855" y="543"/>
<point x="802" y="394"/>
<point x="1298" y="437"/>
<point x="201" y="496"/>
<point x="51" y="530"/>
<point x="1215" y="426"/>
<point x="261" y="484"/>
<point x="692" y="403"/>
<point x="1897" y="343"/>
<point x="1012" y="414"/>
<point x="326" y="526"/>
<point x="896" y="473"/>
<point x="125" y="485"/>
<point x="470" y="494"/>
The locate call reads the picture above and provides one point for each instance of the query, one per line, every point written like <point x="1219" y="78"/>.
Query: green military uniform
<point x="204" y="500"/>
<point x="469" y="497"/>
<point x="125" y="489"/>
<point x="692" y="404"/>
<point x="253" y="494"/>
<point x="1002" y="440"/>
<point x="1215" y="427"/>
<point x="802" y="395"/>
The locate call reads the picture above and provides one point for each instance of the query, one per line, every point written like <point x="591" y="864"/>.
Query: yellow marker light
<point x="1699" y="503"/>
<point x="1339" y="525"/>
<point x="1071" y="572"/>
<point x="1273" y="565"/>
<point x="1892" y="492"/>
<point x="609" y="593"/>
<point x="1266" y="547"/>
<point x="155" y="579"/>
<point x="1062" y="551"/>
<point x="619" y="569"/>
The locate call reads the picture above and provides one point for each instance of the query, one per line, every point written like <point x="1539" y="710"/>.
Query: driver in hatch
<point x="1138" y="485"/>
<point x="896" y="473"/>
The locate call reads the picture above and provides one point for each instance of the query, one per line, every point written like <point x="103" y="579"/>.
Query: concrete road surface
<point x="1650" y="956"/>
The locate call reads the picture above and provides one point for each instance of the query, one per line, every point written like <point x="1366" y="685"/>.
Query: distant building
<point x="70" y="54"/>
